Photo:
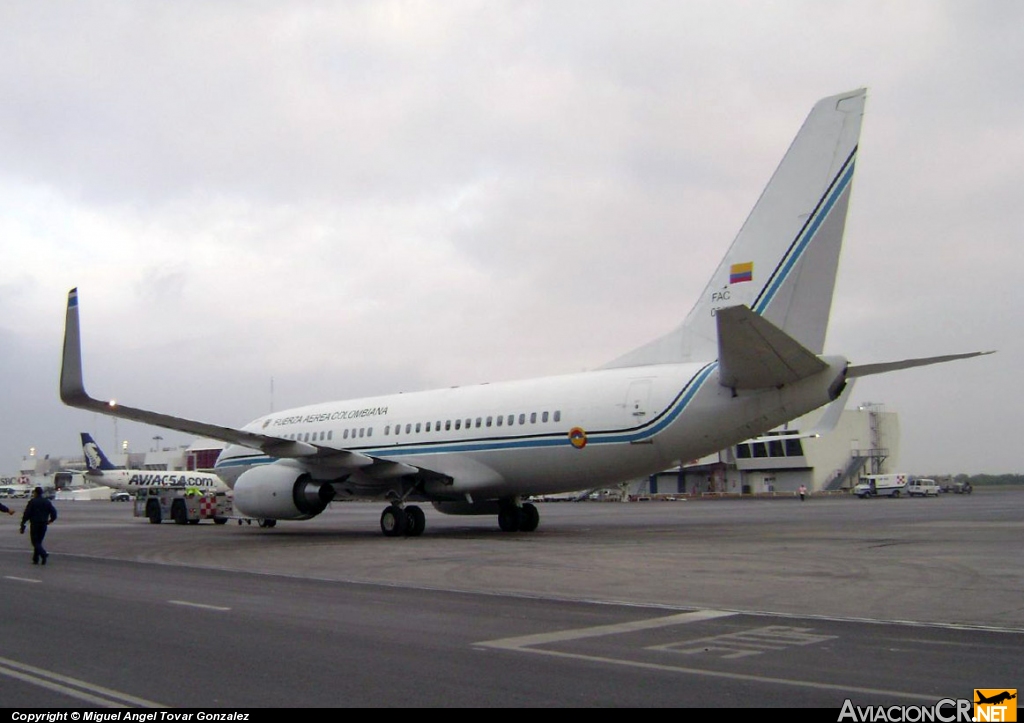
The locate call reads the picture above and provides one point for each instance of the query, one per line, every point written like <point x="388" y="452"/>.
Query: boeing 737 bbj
<point x="101" y="470"/>
<point x="746" y="359"/>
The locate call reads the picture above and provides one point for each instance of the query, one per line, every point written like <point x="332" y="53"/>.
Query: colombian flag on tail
<point x="741" y="272"/>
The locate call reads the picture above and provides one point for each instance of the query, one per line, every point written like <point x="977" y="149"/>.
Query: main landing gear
<point x="515" y="518"/>
<point x="397" y="520"/>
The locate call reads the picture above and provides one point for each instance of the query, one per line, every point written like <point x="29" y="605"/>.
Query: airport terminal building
<point x="865" y="440"/>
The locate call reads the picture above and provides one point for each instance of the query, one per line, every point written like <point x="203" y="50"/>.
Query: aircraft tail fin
<point x="95" y="461"/>
<point x="782" y="264"/>
<point x="753" y="353"/>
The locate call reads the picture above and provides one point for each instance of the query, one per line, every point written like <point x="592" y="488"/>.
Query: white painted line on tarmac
<point x="526" y="643"/>
<point x="202" y="606"/>
<point x="72" y="687"/>
<point x="20" y="579"/>
<point x="561" y="636"/>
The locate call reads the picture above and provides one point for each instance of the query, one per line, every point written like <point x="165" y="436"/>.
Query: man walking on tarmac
<point x="39" y="513"/>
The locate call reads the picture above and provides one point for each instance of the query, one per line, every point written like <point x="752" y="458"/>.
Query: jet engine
<point x="280" y="492"/>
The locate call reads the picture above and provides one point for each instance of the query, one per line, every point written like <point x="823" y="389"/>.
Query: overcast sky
<point x="368" y="197"/>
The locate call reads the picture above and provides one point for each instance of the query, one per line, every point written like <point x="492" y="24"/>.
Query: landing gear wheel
<point x="267" y="523"/>
<point x="415" y="520"/>
<point x="393" y="521"/>
<point x="509" y="518"/>
<point x="529" y="518"/>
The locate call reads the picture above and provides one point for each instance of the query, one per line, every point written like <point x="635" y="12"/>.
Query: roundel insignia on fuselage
<point x="577" y="437"/>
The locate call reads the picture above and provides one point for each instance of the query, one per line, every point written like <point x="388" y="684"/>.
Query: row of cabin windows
<point x="772" y="448"/>
<point x="362" y="432"/>
<point x="470" y="423"/>
<point x="329" y="435"/>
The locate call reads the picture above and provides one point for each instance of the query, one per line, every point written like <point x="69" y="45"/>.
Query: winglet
<point x="72" y="388"/>
<point x="753" y="353"/>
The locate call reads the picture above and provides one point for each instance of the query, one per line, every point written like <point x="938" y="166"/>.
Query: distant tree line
<point x="991" y="479"/>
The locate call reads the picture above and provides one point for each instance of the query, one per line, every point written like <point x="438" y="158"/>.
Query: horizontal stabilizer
<point x="864" y="370"/>
<point x="753" y="353"/>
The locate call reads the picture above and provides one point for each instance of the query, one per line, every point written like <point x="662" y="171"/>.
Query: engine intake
<point x="280" y="492"/>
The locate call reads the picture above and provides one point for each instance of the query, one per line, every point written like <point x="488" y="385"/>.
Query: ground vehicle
<point x="963" y="488"/>
<point x="881" y="485"/>
<point x="922" y="488"/>
<point x="183" y="505"/>
<point x="120" y="497"/>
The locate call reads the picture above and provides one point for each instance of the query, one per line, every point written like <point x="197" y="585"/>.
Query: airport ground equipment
<point x="184" y="506"/>
<point x="881" y="485"/>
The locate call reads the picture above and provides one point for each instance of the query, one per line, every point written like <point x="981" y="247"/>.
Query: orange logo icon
<point x="995" y="704"/>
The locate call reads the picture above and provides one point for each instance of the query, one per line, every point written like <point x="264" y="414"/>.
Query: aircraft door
<point x="638" y="400"/>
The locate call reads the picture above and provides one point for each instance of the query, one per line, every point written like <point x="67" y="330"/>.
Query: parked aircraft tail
<point x="95" y="461"/>
<point x="782" y="264"/>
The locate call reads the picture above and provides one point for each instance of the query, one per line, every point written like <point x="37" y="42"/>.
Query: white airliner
<point x="101" y="470"/>
<point x="746" y="359"/>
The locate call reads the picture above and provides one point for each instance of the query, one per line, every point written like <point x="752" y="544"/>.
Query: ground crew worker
<point x="39" y="513"/>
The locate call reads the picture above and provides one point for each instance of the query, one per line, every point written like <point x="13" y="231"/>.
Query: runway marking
<point x="528" y="643"/>
<point x="20" y="579"/>
<point x="561" y="636"/>
<point x="73" y="687"/>
<point x="198" y="605"/>
<point x="745" y="643"/>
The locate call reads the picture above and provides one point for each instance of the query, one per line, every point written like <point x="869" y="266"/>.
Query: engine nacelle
<point x="280" y="492"/>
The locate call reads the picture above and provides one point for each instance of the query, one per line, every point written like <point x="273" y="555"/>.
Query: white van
<point x="923" y="488"/>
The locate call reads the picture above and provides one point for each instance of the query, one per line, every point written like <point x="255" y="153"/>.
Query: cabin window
<point x="533" y="417"/>
<point x="398" y="429"/>
<point x="501" y="419"/>
<point x="369" y="431"/>
<point x="447" y="424"/>
<point x="330" y="434"/>
<point x="362" y="431"/>
<point x="522" y="419"/>
<point x="489" y="421"/>
<point x="544" y="417"/>
<point x="428" y="427"/>
<point x="469" y="423"/>
<point x="558" y="416"/>
<point x="511" y="419"/>
<point x="479" y="421"/>
<point x="387" y="429"/>
<point x="458" y="424"/>
<point x="417" y="427"/>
